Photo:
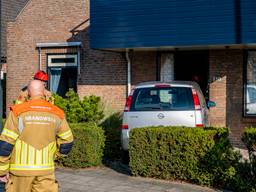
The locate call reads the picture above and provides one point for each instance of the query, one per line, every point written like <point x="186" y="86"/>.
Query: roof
<point x="9" y="11"/>
<point x="163" y="24"/>
<point x="59" y="44"/>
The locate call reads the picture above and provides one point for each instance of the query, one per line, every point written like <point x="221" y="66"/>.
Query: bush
<point x="248" y="170"/>
<point x="112" y="130"/>
<point x="88" y="147"/>
<point x="202" y="156"/>
<point x="92" y="109"/>
<point x="88" y="109"/>
<point x="249" y="139"/>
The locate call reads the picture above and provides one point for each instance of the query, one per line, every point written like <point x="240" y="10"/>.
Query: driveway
<point x="108" y="180"/>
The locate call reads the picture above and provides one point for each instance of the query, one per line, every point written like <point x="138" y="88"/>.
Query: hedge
<point x="111" y="127"/>
<point x="199" y="155"/>
<point x="89" y="142"/>
<point x="249" y="139"/>
<point x="249" y="172"/>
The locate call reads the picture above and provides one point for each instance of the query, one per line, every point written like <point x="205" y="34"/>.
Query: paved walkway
<point x="108" y="180"/>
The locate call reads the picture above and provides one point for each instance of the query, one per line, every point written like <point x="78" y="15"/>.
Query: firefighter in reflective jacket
<point x="34" y="133"/>
<point x="23" y="95"/>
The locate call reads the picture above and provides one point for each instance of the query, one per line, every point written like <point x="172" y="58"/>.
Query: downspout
<point x="128" y="72"/>
<point x="78" y="62"/>
<point x="40" y="58"/>
<point x="78" y="68"/>
<point x="1" y="88"/>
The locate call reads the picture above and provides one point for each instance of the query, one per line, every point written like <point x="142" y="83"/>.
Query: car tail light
<point x="162" y="85"/>
<point x="125" y="126"/>
<point x="196" y="100"/>
<point x="128" y="103"/>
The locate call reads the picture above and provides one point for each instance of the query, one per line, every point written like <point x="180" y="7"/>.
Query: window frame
<point x="62" y="65"/>
<point x="62" y="55"/>
<point x="245" y="83"/>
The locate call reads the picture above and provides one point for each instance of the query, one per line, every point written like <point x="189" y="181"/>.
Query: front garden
<point x="202" y="156"/>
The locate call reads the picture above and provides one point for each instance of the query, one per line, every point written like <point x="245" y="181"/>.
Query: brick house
<point x="57" y="40"/>
<point x="213" y="40"/>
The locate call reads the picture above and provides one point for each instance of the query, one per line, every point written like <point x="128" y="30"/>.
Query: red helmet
<point x="41" y="75"/>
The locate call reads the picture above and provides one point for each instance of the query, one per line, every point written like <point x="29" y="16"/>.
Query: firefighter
<point x="23" y="95"/>
<point x="34" y="133"/>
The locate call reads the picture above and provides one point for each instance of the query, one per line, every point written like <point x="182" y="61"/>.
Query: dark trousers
<point x="2" y="186"/>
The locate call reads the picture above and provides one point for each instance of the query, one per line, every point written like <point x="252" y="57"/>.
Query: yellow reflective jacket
<point x="34" y="133"/>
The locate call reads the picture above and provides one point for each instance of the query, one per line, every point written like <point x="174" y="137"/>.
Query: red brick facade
<point x="143" y="66"/>
<point x="226" y="89"/>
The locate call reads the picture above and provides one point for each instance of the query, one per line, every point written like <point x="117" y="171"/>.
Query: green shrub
<point x="248" y="169"/>
<point x="249" y="139"/>
<point x="88" y="147"/>
<point x="3" y="121"/>
<point x="88" y="109"/>
<point x="92" y="109"/>
<point x="60" y="102"/>
<point x="112" y="130"/>
<point x="202" y="156"/>
<point x="243" y="180"/>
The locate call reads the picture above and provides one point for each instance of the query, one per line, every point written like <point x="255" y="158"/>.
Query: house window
<point x="250" y="86"/>
<point x="62" y="70"/>
<point x="63" y="60"/>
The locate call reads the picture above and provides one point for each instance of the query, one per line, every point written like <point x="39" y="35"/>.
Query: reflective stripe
<point x="24" y="152"/>
<point x="38" y="157"/>
<point x="31" y="167"/>
<point x="65" y="135"/>
<point x="20" y="124"/>
<point x="10" y="133"/>
<point x="45" y="155"/>
<point x="18" y="151"/>
<point x="29" y="158"/>
<point x="4" y="167"/>
<point x="31" y="154"/>
<point x="51" y="153"/>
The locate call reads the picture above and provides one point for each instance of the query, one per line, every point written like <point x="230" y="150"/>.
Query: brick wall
<point x="218" y="86"/>
<point x="62" y="21"/>
<point x="9" y="11"/>
<point x="226" y="89"/>
<point x="143" y="66"/>
<point x="103" y="73"/>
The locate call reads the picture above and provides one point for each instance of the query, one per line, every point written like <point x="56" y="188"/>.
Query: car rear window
<point x="164" y="99"/>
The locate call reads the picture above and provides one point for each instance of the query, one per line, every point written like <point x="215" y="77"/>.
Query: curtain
<point x="55" y="79"/>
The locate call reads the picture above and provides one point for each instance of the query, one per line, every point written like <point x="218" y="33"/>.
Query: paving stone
<point x="108" y="180"/>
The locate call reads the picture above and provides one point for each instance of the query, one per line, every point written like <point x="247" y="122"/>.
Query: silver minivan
<point x="178" y="103"/>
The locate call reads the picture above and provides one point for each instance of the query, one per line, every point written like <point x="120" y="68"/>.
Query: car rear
<point x="166" y="104"/>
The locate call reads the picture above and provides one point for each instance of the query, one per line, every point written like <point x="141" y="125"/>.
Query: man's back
<point x="34" y="132"/>
<point x="39" y="123"/>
